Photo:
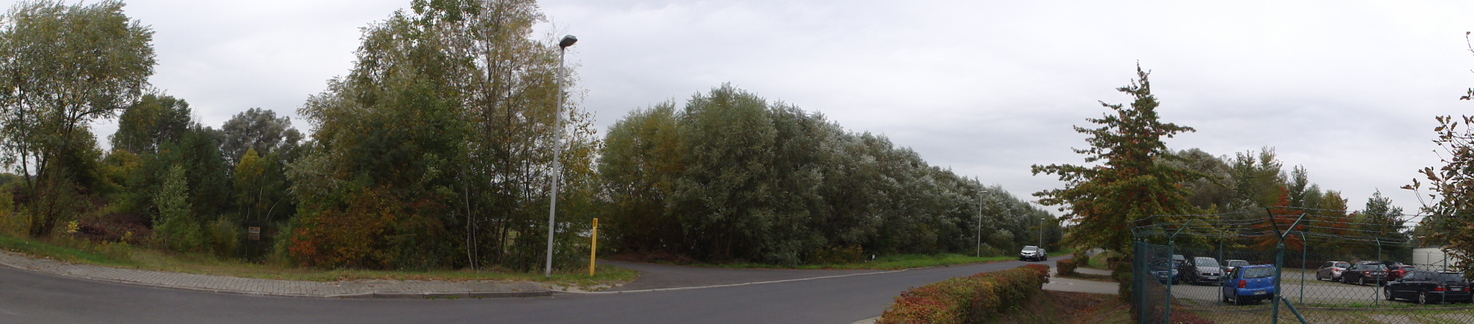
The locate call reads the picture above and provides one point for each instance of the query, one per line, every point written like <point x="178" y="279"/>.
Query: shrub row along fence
<point x="1285" y="265"/>
<point x="970" y="299"/>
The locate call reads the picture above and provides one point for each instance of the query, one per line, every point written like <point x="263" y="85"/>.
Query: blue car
<point x="1165" y="278"/>
<point x="1168" y="276"/>
<point x="1249" y="284"/>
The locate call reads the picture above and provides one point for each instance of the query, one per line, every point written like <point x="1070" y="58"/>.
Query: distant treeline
<point x="730" y="176"/>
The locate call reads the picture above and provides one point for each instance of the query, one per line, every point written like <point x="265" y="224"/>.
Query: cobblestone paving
<point x="335" y="289"/>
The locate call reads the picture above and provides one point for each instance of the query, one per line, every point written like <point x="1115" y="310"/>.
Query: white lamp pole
<point x="563" y="45"/>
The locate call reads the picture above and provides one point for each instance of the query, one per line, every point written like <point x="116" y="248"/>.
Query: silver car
<point x="1202" y="270"/>
<point x="1033" y="253"/>
<point x="1331" y="270"/>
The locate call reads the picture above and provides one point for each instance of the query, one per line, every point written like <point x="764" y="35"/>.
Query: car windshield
<point x="1255" y="273"/>
<point x="1206" y="262"/>
<point x="1030" y="248"/>
<point x="1237" y="263"/>
<point x="1342" y="264"/>
<point x="1375" y="266"/>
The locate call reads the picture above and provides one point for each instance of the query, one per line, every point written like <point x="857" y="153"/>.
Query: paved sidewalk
<point x="269" y="287"/>
<point x="1058" y="283"/>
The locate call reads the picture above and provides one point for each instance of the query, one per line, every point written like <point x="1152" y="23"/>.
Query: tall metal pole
<point x="563" y="45"/>
<point x="1041" y="232"/>
<point x="979" y="234"/>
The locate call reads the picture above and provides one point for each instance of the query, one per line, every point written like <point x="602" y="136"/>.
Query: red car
<point x="1398" y="271"/>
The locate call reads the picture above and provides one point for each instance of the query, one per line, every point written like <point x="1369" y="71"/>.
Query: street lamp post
<point x="980" y="216"/>
<point x="563" y="45"/>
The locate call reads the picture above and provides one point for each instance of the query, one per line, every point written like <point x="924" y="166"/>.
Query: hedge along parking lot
<point x="971" y="299"/>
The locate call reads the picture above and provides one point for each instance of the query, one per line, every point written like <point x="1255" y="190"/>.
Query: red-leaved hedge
<point x="970" y="299"/>
<point x="1065" y="267"/>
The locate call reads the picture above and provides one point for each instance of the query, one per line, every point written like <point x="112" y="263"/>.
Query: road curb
<point x="434" y="295"/>
<point x="727" y="285"/>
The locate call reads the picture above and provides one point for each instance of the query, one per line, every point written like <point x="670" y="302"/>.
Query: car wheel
<point x="1423" y="297"/>
<point x="1361" y="281"/>
<point x="1388" y="293"/>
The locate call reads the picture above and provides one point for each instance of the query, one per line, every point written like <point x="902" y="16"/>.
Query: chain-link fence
<point x="1304" y="266"/>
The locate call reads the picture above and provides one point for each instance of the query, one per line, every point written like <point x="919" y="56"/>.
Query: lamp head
<point x="567" y="41"/>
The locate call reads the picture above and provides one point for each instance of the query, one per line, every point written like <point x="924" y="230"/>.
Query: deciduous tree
<point x="61" y="68"/>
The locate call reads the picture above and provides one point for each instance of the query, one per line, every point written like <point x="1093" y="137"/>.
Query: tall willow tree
<point x="1128" y="184"/>
<point x="436" y="149"/>
<point x="733" y="177"/>
<point x="62" y="67"/>
<point x="640" y="163"/>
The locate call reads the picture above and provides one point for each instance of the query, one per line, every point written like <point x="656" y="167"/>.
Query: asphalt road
<point x="27" y="297"/>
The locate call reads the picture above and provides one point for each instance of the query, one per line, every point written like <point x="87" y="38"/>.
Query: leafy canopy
<point x="1128" y="182"/>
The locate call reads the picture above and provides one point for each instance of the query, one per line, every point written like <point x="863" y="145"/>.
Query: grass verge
<point x="132" y="257"/>
<point x="1099" y="260"/>
<point x="891" y="262"/>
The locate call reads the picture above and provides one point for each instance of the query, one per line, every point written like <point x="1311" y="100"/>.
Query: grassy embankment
<point x="890" y="262"/>
<point x="133" y="257"/>
<point x="1099" y="260"/>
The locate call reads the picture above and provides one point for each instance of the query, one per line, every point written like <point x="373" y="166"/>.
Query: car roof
<point x="1259" y="266"/>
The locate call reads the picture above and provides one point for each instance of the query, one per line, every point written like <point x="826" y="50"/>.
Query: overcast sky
<point x="987" y="88"/>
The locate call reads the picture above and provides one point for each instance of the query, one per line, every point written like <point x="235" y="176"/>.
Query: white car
<point x="1033" y="253"/>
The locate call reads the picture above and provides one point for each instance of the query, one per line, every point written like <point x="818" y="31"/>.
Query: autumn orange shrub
<point x="1066" y="267"/>
<point x="373" y="230"/>
<point x="970" y="299"/>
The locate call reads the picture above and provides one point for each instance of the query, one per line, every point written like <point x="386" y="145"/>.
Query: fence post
<point x="1279" y="264"/>
<point x="1304" y="248"/>
<point x="1168" y="306"/>
<point x="1279" y="260"/>
<point x="1138" y="286"/>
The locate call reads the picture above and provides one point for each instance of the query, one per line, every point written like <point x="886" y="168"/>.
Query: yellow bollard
<point x="594" y="247"/>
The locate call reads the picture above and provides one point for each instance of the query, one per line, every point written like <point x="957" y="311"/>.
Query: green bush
<point x="175" y="228"/>
<point x="836" y="255"/>
<point x="222" y="236"/>
<point x="971" y="299"/>
<point x="1066" y="267"/>
<point x="1122" y="274"/>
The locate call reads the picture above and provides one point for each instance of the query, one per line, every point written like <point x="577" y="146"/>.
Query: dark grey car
<point x="1364" y="272"/>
